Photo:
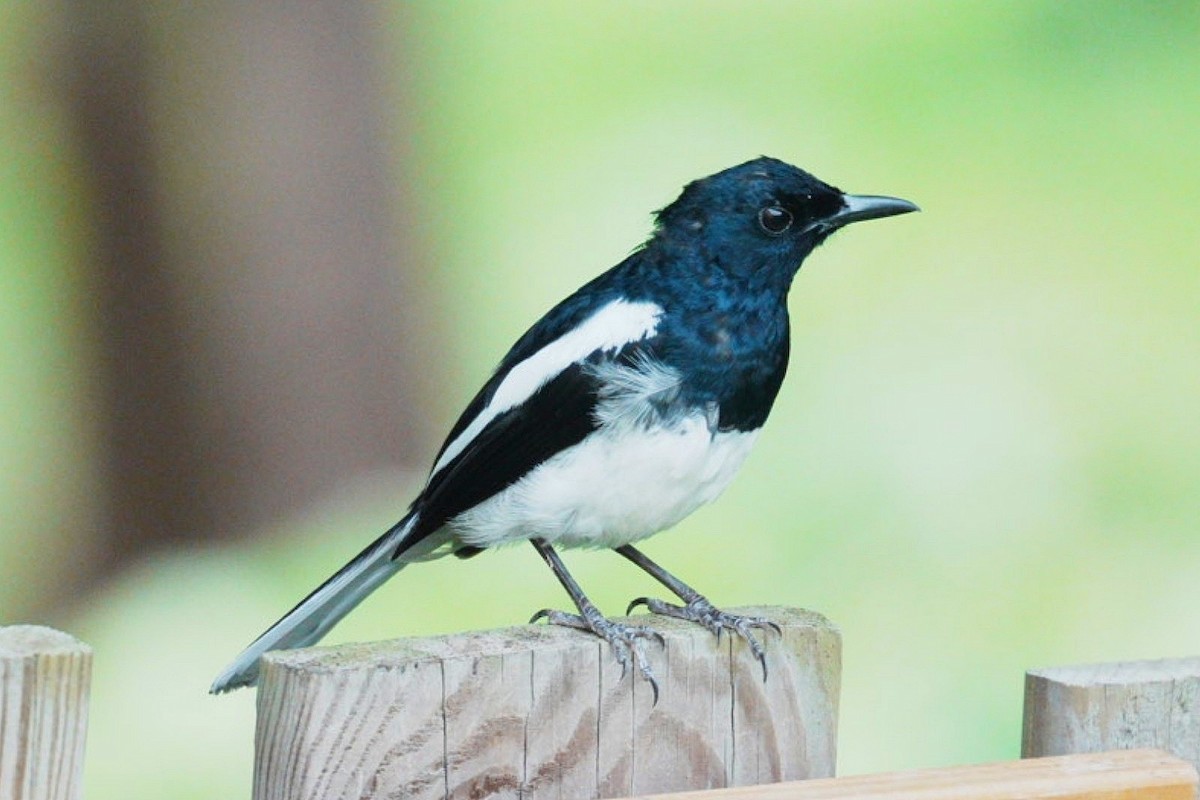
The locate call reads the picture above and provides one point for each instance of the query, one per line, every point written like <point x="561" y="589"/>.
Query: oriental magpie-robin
<point x="625" y="408"/>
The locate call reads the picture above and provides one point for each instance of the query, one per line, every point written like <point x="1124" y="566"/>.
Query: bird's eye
<point x="775" y="219"/>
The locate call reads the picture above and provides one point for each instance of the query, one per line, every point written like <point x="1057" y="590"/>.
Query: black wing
<point x="556" y="416"/>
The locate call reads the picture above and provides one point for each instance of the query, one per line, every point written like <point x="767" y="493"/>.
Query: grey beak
<point x="864" y="206"/>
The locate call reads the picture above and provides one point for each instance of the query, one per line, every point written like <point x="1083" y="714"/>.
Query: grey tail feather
<point x="323" y="608"/>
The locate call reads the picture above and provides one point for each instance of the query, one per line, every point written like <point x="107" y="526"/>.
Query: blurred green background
<point x="985" y="457"/>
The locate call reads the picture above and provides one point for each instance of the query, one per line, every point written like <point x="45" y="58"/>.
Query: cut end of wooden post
<point x="19" y="641"/>
<point x="544" y="711"/>
<point x="1122" y="673"/>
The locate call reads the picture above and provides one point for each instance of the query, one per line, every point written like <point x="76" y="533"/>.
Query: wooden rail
<point x="540" y="711"/>
<point x="1123" y="775"/>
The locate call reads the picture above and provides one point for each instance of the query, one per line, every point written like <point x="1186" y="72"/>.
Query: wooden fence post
<point x="542" y="711"/>
<point x="44" y="680"/>
<point x="1093" y="707"/>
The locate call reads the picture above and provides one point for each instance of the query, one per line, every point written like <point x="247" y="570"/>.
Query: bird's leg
<point x="626" y="640"/>
<point x="696" y="606"/>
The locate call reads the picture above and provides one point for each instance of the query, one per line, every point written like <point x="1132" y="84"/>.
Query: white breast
<point x="621" y="484"/>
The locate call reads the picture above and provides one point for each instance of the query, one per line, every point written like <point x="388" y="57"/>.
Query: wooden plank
<point x="44" y="681"/>
<point x="1095" y="707"/>
<point x="541" y="712"/>
<point x="1122" y="775"/>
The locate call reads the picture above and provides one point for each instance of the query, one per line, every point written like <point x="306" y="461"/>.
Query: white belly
<point x="615" y="487"/>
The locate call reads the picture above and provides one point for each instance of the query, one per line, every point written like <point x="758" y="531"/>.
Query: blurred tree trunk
<point x="258" y="341"/>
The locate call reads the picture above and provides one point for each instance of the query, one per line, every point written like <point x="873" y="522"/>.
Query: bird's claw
<point x="540" y="614"/>
<point x="701" y="611"/>
<point x="625" y="640"/>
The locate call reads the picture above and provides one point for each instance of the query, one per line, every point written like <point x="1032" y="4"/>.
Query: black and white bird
<point x="625" y="408"/>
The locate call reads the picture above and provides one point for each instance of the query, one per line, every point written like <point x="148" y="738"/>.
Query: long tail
<point x="323" y="608"/>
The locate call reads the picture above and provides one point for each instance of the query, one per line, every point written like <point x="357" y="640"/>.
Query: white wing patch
<point x="612" y="326"/>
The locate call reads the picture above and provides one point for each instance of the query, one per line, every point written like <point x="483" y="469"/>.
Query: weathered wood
<point x="44" y="680"/>
<point x="1094" y="707"/>
<point x="1125" y="775"/>
<point x="542" y="711"/>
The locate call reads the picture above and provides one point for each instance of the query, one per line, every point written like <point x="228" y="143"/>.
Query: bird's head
<point x="764" y="215"/>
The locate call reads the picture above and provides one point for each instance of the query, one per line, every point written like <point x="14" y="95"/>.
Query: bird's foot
<point x="701" y="611"/>
<point x="626" y="640"/>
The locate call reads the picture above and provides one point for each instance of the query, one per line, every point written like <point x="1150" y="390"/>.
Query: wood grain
<point x="1124" y="775"/>
<point x="543" y="712"/>
<point x="1133" y="704"/>
<point x="44" y="681"/>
